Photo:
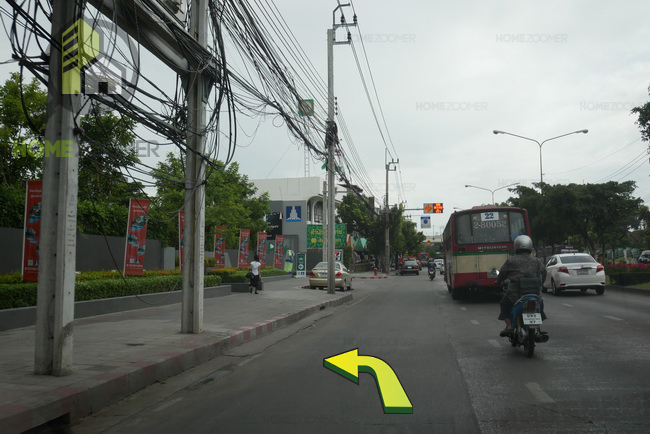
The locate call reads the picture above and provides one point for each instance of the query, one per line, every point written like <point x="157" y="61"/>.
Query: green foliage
<point x="233" y="275"/>
<point x="598" y="214"/>
<point x="15" y="128"/>
<point x="626" y="279"/>
<point x="347" y="256"/>
<point x="643" y="120"/>
<point x="94" y="286"/>
<point x="210" y="262"/>
<point x="230" y="201"/>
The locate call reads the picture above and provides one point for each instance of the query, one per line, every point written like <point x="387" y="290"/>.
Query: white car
<point x="440" y="265"/>
<point x="574" y="271"/>
<point x="318" y="276"/>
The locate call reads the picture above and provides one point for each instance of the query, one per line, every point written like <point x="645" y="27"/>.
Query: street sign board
<point x="438" y="208"/>
<point x="301" y="268"/>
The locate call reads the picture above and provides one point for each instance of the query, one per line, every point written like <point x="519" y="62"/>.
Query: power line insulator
<point x="355" y="19"/>
<point x="349" y="36"/>
<point x="342" y="19"/>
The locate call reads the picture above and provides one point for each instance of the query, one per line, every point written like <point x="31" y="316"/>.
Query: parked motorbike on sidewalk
<point x="526" y="317"/>
<point x="432" y="273"/>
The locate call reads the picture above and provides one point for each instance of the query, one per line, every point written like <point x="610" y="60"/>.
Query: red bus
<point x="423" y="258"/>
<point x="476" y="243"/>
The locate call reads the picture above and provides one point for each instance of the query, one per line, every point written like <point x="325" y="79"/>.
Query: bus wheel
<point x="455" y="294"/>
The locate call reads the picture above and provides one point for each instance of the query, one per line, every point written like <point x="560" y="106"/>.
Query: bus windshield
<point x="489" y="227"/>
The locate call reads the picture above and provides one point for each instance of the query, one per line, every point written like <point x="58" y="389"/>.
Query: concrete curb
<point x="89" y="396"/>
<point x="26" y="316"/>
<point x="626" y="289"/>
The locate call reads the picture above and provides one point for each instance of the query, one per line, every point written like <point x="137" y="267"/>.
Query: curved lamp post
<point x="541" y="176"/>
<point x="491" y="191"/>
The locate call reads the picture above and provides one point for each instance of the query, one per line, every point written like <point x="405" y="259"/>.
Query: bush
<point x="625" y="279"/>
<point x="24" y="294"/>
<point x="627" y="268"/>
<point x="210" y="262"/>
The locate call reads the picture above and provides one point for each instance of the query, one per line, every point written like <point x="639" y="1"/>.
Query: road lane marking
<point x="463" y="308"/>
<point x="168" y="404"/>
<point x="494" y="343"/>
<point x="613" y="317"/>
<point x="250" y="359"/>
<point x="475" y="322"/>
<point x="538" y="393"/>
<point x="567" y="304"/>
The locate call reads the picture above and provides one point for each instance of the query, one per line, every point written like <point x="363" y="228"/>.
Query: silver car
<point x="318" y="276"/>
<point x="574" y="271"/>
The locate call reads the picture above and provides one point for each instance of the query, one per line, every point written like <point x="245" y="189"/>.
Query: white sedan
<point x="318" y="276"/>
<point x="574" y="271"/>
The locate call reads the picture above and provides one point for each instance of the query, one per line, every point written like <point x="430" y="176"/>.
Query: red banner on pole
<point x="136" y="237"/>
<point x="220" y="247"/>
<point x="181" y="237"/>
<point x="261" y="247"/>
<point x="279" y="252"/>
<point x="244" y="245"/>
<point x="32" y="227"/>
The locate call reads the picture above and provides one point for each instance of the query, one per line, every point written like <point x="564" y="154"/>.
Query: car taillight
<point x="563" y="270"/>
<point x="311" y="274"/>
<point x="339" y="274"/>
<point x="599" y="268"/>
<point x="531" y="305"/>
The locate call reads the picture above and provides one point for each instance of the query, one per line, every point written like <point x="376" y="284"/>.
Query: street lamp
<point x="541" y="176"/>
<point x="491" y="191"/>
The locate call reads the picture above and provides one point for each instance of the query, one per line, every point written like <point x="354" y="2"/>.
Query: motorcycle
<point x="526" y="317"/>
<point x="432" y="273"/>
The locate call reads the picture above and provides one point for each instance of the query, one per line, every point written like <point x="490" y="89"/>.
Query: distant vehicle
<point x="424" y="258"/>
<point x="574" y="271"/>
<point x="477" y="243"/>
<point x="645" y="257"/>
<point x="318" y="276"/>
<point x="409" y="266"/>
<point x="440" y="265"/>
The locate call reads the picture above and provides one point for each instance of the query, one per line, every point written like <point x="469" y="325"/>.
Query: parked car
<point x="574" y="271"/>
<point x="409" y="266"/>
<point x="318" y="276"/>
<point x="440" y="265"/>
<point x="645" y="257"/>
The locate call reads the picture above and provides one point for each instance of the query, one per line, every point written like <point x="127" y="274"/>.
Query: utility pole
<point x="387" y="222"/>
<point x="58" y="242"/>
<point x="324" y="222"/>
<point x="330" y="141"/>
<point x="197" y="88"/>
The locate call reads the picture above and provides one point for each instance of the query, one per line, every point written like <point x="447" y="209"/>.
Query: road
<point x="592" y="375"/>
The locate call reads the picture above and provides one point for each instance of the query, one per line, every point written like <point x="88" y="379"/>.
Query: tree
<point x="20" y="124"/>
<point x="229" y="199"/>
<point x="643" y="120"/>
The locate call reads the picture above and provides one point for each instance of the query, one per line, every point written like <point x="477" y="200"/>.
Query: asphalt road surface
<point x="592" y="376"/>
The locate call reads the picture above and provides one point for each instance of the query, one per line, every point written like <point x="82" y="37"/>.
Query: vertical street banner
<point x="181" y="237"/>
<point x="32" y="227"/>
<point x="136" y="237"/>
<point x="220" y="247"/>
<point x="261" y="247"/>
<point x="244" y="245"/>
<point x="278" y="261"/>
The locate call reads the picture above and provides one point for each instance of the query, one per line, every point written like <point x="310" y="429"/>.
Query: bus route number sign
<point x="489" y="216"/>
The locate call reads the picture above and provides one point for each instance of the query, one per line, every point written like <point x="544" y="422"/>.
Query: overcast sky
<point x="449" y="73"/>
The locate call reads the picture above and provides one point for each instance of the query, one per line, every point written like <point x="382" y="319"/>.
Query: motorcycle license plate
<point x="532" y="318"/>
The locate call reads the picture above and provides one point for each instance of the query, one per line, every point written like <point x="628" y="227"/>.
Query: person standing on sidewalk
<point x="256" y="277"/>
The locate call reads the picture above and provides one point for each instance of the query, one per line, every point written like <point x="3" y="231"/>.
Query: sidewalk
<point x="118" y="354"/>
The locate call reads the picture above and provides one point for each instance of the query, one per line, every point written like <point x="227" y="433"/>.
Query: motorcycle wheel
<point x="529" y="343"/>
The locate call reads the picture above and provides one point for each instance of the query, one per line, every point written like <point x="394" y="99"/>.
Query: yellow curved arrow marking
<point x="350" y="363"/>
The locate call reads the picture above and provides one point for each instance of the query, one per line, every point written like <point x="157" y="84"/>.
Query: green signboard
<point x="315" y="236"/>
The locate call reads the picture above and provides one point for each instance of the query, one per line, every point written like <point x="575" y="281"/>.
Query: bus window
<point x="463" y="230"/>
<point x="517" y="225"/>
<point x="490" y="227"/>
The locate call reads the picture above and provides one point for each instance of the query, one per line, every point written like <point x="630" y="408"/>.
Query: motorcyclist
<point x="521" y="265"/>
<point x="431" y="265"/>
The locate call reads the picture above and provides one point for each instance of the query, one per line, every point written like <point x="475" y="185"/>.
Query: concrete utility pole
<point x="198" y="89"/>
<point x="58" y="242"/>
<point x="330" y="141"/>
<point x="324" y="222"/>
<point x="387" y="223"/>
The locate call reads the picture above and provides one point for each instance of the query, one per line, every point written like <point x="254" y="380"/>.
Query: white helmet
<point x="523" y="243"/>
